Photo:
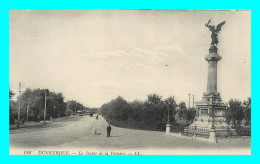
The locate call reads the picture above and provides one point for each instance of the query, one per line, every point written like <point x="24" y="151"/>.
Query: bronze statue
<point x="214" y="35"/>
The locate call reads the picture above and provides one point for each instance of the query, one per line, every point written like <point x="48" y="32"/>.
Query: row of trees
<point x="73" y="106"/>
<point x="185" y="113"/>
<point x="33" y="102"/>
<point x="239" y="113"/>
<point x="151" y="114"/>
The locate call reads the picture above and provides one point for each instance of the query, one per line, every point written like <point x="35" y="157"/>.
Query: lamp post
<point x="27" y="112"/>
<point x="212" y="131"/>
<point x="168" y="114"/>
<point x="19" y="106"/>
<point x="168" y="125"/>
<point x="66" y="109"/>
<point x="54" y="113"/>
<point x="44" y="114"/>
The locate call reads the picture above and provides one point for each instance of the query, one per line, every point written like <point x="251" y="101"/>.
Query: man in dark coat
<point x="108" y="130"/>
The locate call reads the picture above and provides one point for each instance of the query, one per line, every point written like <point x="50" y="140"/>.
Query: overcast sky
<point x="93" y="56"/>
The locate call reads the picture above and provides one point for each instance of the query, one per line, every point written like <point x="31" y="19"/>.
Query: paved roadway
<point x="88" y="135"/>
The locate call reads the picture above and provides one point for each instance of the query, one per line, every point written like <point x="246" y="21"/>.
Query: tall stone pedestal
<point x="211" y="110"/>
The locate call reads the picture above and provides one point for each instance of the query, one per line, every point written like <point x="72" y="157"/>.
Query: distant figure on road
<point x="108" y="130"/>
<point x="97" y="117"/>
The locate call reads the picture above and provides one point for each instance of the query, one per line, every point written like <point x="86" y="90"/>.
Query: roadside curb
<point x="14" y="128"/>
<point x="28" y="126"/>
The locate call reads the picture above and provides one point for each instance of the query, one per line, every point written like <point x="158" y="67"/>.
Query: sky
<point x="93" y="56"/>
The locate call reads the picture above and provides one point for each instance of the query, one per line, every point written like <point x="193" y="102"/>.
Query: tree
<point x="120" y="108"/>
<point x="247" y="111"/>
<point x="182" y="109"/>
<point x="151" y="114"/>
<point x="154" y="109"/>
<point x="11" y="94"/>
<point x="235" y="112"/>
<point x="182" y="105"/>
<point x="117" y="109"/>
<point x="171" y="104"/>
<point x="11" y="102"/>
<point x="12" y="105"/>
<point x="74" y="106"/>
<point x="154" y="99"/>
<point x="35" y="101"/>
<point x="55" y="104"/>
<point x="190" y="114"/>
<point x="137" y="111"/>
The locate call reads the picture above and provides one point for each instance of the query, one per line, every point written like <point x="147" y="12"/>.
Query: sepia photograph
<point x="129" y="82"/>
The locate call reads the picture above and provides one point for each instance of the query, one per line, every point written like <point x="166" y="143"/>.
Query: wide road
<point x="84" y="134"/>
<point x="52" y="134"/>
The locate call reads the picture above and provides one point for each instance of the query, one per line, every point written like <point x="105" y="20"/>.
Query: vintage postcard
<point x="130" y="82"/>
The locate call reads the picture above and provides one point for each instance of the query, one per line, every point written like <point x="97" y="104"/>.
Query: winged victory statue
<point x="215" y="31"/>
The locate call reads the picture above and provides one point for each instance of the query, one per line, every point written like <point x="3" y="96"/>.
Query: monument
<point x="210" y="118"/>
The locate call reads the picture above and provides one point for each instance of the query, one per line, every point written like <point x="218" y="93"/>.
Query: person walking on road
<point x="108" y="130"/>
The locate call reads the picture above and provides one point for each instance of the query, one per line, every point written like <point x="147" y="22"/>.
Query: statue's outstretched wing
<point x="220" y="25"/>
